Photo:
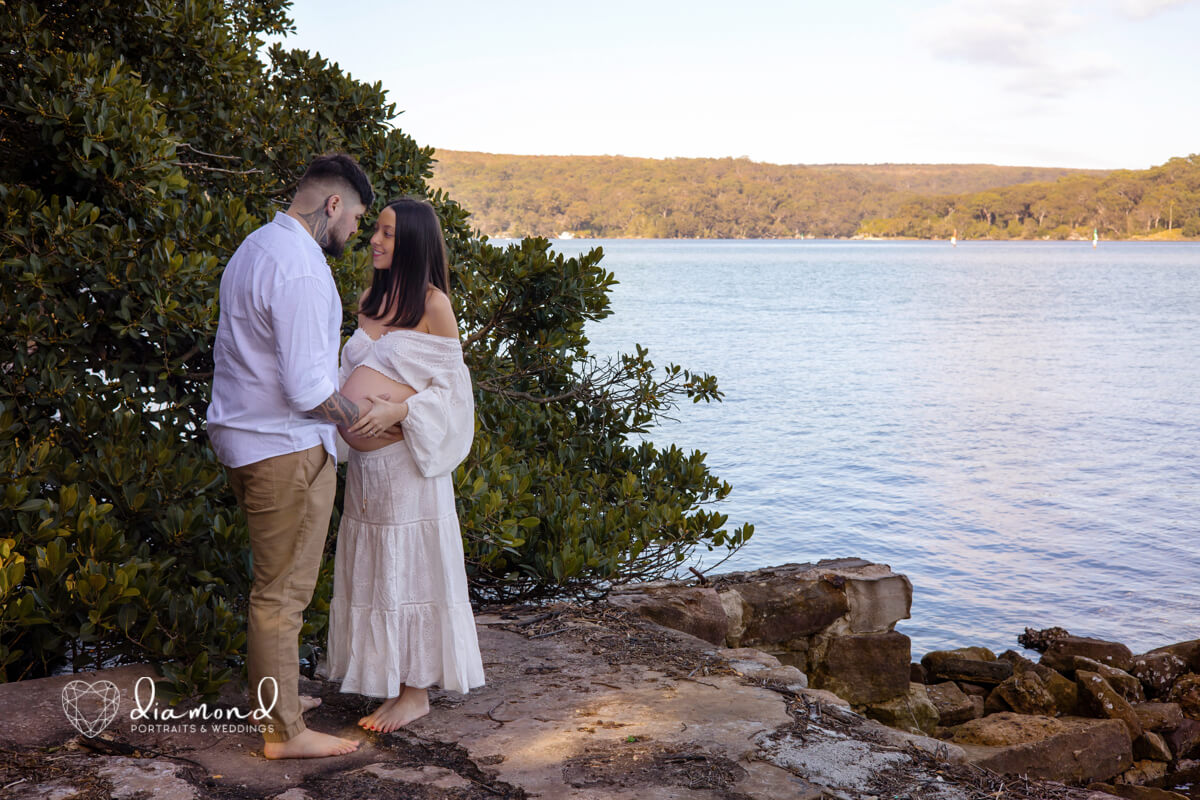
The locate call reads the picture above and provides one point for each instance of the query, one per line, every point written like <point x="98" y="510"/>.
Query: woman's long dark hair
<point x="418" y="262"/>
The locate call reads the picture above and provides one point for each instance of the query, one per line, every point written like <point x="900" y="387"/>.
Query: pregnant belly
<point x="362" y="383"/>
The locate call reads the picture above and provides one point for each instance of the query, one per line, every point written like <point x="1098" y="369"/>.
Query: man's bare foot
<point x="308" y="703"/>
<point x="412" y="704"/>
<point x="310" y="744"/>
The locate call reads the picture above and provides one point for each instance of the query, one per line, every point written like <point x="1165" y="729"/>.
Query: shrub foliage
<point x="139" y="143"/>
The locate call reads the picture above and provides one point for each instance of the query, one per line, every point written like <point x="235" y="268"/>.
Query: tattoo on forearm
<point x="318" y="223"/>
<point x="338" y="410"/>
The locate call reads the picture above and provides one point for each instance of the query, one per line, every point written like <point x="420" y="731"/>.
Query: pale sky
<point x="1070" y="83"/>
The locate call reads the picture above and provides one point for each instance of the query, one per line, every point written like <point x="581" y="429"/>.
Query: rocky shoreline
<point x="1089" y="712"/>
<point x="768" y="684"/>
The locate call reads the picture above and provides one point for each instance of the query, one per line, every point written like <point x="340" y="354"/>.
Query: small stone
<point x="1162" y="717"/>
<point x="1151" y="746"/>
<point x="913" y="712"/>
<point x="1158" y="672"/>
<point x="952" y="704"/>
<point x="1143" y="772"/>
<point x="1186" y="692"/>
<point x="1101" y="699"/>
<point x="1060" y="652"/>
<point x="1025" y="693"/>
<point x="1188" y="651"/>
<point x="1126" y="685"/>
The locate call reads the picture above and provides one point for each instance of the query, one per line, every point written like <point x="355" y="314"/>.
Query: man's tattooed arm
<point x="337" y="409"/>
<point x="318" y="222"/>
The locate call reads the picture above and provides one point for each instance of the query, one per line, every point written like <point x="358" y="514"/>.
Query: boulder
<point x="863" y="668"/>
<point x="780" y="610"/>
<point x="691" y="609"/>
<point x="1134" y="792"/>
<point x="953" y="706"/>
<point x="1100" y="698"/>
<point x="1126" y="685"/>
<point x="973" y="689"/>
<point x="916" y="673"/>
<point x="1184" y="741"/>
<point x="1143" y="772"/>
<point x="1007" y="728"/>
<point x="878" y="598"/>
<point x="1025" y="693"/>
<point x="1158" y="672"/>
<point x="1073" y="750"/>
<point x="735" y="616"/>
<point x="1161" y="717"/>
<point x="1151" y="746"/>
<point x="1188" y="652"/>
<point x="913" y="712"/>
<point x="934" y="657"/>
<point x="1060" y="653"/>
<point x="965" y="665"/>
<point x="1186" y="692"/>
<point x="1062" y="689"/>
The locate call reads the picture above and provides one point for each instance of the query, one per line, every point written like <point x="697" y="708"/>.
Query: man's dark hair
<point x="340" y="167"/>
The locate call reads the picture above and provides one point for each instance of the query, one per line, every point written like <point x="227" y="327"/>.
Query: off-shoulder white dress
<point x="400" y="612"/>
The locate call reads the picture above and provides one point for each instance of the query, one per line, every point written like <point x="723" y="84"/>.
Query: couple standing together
<point x="400" y="619"/>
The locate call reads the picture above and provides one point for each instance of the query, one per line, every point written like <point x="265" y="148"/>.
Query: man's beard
<point x="334" y="248"/>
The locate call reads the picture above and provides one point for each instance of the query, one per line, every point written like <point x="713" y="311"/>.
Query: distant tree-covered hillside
<point x="1162" y="203"/>
<point x="614" y="196"/>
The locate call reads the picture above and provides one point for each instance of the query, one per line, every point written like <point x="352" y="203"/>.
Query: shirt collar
<point x="295" y="226"/>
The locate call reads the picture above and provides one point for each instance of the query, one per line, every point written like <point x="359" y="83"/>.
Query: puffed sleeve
<point x="440" y="424"/>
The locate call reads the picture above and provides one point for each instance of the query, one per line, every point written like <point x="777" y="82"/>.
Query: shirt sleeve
<point x="440" y="425"/>
<point x="303" y="354"/>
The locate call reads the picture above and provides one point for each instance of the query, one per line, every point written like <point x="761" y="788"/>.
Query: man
<point x="271" y="422"/>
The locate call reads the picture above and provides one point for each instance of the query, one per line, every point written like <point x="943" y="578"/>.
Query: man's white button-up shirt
<point x="277" y="347"/>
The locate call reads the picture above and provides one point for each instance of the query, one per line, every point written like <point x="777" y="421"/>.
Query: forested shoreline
<point x="619" y="197"/>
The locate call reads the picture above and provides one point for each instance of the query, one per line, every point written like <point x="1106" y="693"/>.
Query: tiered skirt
<point x="400" y="613"/>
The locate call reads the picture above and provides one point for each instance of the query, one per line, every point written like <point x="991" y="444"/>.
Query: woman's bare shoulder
<point x="439" y="314"/>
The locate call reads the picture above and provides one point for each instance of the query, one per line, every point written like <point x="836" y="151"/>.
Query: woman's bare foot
<point x="413" y="703"/>
<point x="310" y="744"/>
<point x="308" y="703"/>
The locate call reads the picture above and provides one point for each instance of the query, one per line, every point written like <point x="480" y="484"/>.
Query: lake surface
<point x="1015" y="426"/>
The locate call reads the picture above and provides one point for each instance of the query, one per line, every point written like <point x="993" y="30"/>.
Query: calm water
<point x="1012" y="425"/>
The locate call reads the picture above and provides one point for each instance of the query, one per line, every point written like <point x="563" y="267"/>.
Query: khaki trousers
<point x="288" y="501"/>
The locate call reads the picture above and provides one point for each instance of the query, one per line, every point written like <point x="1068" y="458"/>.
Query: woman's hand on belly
<point x="366" y="387"/>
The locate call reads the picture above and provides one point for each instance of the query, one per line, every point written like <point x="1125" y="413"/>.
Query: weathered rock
<point x="995" y="703"/>
<point x="987" y="673"/>
<point x="694" y="610"/>
<point x="1039" y="640"/>
<point x="878" y="598"/>
<point x="1158" y="672"/>
<point x="789" y="678"/>
<point x="1007" y="728"/>
<point x="1161" y="717"/>
<point x="1074" y="750"/>
<point x="1097" y="695"/>
<point x="916" y="673"/>
<point x="1152" y="746"/>
<point x="1186" y="692"/>
<point x="1133" y="792"/>
<point x="978" y="702"/>
<point x="973" y="689"/>
<point x="933" y="658"/>
<point x="780" y="610"/>
<point x="1025" y="693"/>
<point x="1184" y="741"/>
<point x="1188" y="651"/>
<point x="864" y="668"/>
<point x="748" y="659"/>
<point x="425" y="775"/>
<point x="1062" y="689"/>
<point x="1060" y="652"/>
<point x="735" y="616"/>
<point x="1126" y="685"/>
<point x="953" y="706"/>
<point x="913" y="712"/>
<point x="1143" y="772"/>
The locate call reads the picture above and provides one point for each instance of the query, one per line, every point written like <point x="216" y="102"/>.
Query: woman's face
<point x="383" y="239"/>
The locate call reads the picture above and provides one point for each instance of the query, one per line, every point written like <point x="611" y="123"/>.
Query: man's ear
<point x="332" y="204"/>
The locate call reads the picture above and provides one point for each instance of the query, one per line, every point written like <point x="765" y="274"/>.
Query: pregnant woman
<point x="400" y="620"/>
